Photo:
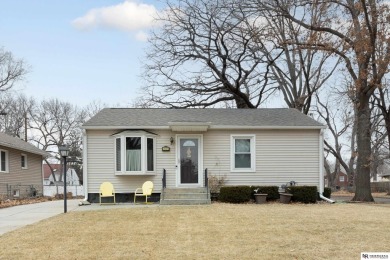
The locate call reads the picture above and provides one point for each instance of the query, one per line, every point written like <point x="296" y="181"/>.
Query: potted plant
<point x="285" y="195"/>
<point x="285" y="198"/>
<point x="260" y="198"/>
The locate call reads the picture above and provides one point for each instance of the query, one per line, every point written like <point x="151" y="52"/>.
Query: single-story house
<point x="71" y="176"/>
<point x="128" y="146"/>
<point x="20" y="167"/>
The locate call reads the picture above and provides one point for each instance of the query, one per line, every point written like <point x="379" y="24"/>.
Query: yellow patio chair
<point x="106" y="190"/>
<point x="147" y="189"/>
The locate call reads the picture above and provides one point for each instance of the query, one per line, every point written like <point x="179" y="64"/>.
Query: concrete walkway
<point x="19" y="216"/>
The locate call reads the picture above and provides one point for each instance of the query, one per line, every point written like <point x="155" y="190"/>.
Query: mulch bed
<point x="5" y="203"/>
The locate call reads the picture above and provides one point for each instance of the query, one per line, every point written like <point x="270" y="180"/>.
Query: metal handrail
<point x="206" y="182"/>
<point x="164" y="183"/>
<point x="164" y="179"/>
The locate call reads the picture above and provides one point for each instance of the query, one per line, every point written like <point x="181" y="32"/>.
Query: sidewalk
<point x="379" y="200"/>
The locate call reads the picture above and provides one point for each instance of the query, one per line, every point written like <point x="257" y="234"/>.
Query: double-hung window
<point x="243" y="153"/>
<point x="3" y="161"/>
<point x="135" y="153"/>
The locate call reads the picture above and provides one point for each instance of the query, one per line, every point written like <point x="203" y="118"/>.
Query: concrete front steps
<point x="185" y="196"/>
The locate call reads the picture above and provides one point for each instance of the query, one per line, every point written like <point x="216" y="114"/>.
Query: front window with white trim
<point x="3" y="161"/>
<point x="135" y="154"/>
<point x="243" y="153"/>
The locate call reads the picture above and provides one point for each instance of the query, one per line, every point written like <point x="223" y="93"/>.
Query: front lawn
<point x="217" y="231"/>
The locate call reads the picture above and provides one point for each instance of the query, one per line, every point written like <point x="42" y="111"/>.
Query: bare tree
<point x="382" y="101"/>
<point x="203" y="54"/>
<point x="355" y="31"/>
<point x="12" y="70"/>
<point x="379" y="140"/>
<point x="341" y="140"/>
<point x="213" y="53"/>
<point x="56" y="123"/>
<point x="15" y="109"/>
<point x="299" y="71"/>
<point x="93" y="108"/>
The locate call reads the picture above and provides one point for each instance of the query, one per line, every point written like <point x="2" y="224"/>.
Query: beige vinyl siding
<point x="101" y="163"/>
<point x="18" y="176"/>
<point x="281" y="156"/>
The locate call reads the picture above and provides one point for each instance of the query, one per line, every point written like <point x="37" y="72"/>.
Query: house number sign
<point x="166" y="148"/>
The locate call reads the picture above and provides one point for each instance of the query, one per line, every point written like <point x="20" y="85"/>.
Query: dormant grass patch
<point x="217" y="231"/>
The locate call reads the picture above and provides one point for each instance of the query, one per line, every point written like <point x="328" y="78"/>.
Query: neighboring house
<point x="71" y="176"/>
<point x="380" y="177"/>
<point x="20" y="167"/>
<point x="247" y="146"/>
<point x="342" y="180"/>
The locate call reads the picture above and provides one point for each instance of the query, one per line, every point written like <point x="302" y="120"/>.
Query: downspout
<point x="85" y="165"/>
<point x="321" y="154"/>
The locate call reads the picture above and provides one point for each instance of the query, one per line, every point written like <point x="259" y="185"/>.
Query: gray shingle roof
<point x="217" y="118"/>
<point x="16" y="143"/>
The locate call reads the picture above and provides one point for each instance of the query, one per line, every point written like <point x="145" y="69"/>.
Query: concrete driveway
<point x="19" y="216"/>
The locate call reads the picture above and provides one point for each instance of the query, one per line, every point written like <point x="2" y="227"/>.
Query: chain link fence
<point x="23" y="191"/>
<point x="19" y="190"/>
<point x="383" y="186"/>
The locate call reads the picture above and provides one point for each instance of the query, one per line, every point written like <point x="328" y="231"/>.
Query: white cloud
<point x="128" y="16"/>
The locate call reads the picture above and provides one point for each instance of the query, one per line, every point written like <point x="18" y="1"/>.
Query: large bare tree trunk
<point x="363" y="188"/>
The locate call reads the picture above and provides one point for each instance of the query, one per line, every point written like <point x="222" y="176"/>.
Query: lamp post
<point x="64" y="152"/>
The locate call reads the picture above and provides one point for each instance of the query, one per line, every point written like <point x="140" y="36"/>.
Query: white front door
<point x="189" y="159"/>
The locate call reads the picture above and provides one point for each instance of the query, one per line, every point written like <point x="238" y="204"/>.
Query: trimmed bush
<point x="272" y="191"/>
<point x="327" y="192"/>
<point x="235" y="194"/>
<point x="304" y="194"/>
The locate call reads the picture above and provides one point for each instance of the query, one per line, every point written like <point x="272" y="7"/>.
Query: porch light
<point x="64" y="152"/>
<point x="171" y="140"/>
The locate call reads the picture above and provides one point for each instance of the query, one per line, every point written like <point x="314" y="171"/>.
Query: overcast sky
<point x="79" y="50"/>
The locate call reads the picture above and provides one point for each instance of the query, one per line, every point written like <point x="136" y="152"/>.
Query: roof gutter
<point x="43" y="153"/>
<point x="216" y="127"/>
<point x="85" y="167"/>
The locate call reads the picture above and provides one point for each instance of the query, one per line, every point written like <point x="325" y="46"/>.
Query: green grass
<point x="217" y="231"/>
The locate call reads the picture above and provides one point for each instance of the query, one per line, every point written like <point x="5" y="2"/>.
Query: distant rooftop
<point x="19" y="144"/>
<point x="133" y="118"/>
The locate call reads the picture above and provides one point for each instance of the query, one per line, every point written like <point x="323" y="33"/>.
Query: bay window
<point x="134" y="153"/>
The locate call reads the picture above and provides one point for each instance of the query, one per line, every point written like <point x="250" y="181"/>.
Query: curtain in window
<point x="133" y="160"/>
